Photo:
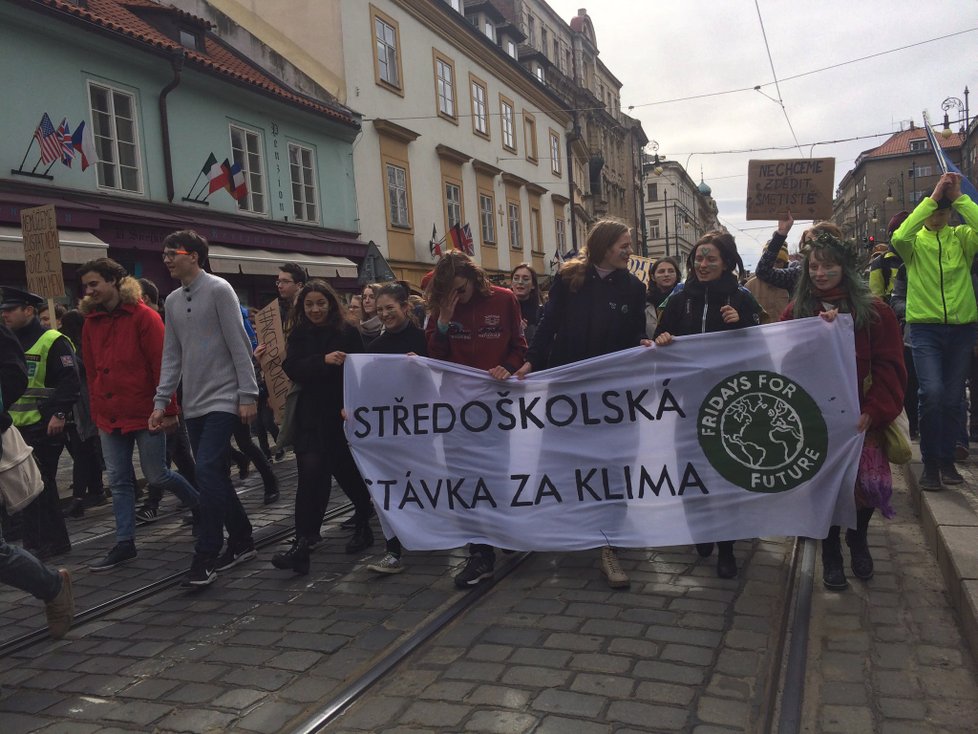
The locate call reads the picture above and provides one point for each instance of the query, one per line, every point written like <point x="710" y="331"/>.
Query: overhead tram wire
<point x="774" y="74"/>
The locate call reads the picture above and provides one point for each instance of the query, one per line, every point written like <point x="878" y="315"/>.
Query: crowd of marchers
<point x="181" y="380"/>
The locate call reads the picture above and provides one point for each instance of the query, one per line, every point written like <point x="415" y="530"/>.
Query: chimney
<point x="911" y="125"/>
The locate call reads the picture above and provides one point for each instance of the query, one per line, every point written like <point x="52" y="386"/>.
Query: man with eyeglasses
<point x="291" y="279"/>
<point x="206" y="345"/>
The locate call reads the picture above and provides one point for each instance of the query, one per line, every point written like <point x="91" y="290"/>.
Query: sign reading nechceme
<point x="802" y="185"/>
<point x="42" y="251"/>
<point x="732" y="435"/>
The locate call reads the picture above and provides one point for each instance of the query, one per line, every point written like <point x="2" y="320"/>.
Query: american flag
<point x="48" y="139"/>
<point x="67" y="146"/>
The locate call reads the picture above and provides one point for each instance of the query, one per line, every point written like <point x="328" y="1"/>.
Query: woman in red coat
<point x="829" y="284"/>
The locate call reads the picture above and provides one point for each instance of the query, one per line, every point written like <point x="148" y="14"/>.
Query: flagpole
<point x="51" y="166"/>
<point x="27" y="153"/>
<point x="195" y="183"/>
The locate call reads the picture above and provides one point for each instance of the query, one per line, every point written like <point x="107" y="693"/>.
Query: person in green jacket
<point x="941" y="317"/>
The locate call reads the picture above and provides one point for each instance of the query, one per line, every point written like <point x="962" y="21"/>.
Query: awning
<point x="76" y="247"/>
<point x="263" y="262"/>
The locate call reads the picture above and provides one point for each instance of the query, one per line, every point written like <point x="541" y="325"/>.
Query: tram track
<point x="165" y="583"/>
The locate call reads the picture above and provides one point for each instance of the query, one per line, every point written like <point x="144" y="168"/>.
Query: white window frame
<point x="446" y="100"/>
<point x="513" y="221"/>
<point x="247" y="204"/>
<point x="308" y="202"/>
<point x="397" y="196"/>
<point x="510" y="48"/>
<point x="918" y="144"/>
<point x="453" y="203"/>
<point x="479" y="96"/>
<point x="555" y="164"/>
<point x="654" y="228"/>
<point x="112" y="145"/>
<point x="487" y="218"/>
<point x="507" y="121"/>
<point x="390" y="51"/>
<point x="490" y="30"/>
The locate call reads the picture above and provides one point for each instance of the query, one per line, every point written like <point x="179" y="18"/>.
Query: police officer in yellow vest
<point x="40" y="414"/>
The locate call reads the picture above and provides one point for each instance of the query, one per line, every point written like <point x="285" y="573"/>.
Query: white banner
<point x="723" y="436"/>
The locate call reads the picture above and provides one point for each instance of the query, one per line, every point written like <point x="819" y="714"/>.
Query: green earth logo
<point x="762" y="432"/>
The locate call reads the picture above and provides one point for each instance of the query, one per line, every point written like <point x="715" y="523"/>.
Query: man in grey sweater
<point x="206" y="346"/>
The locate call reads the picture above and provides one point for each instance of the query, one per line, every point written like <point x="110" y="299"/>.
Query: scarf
<point x="837" y="297"/>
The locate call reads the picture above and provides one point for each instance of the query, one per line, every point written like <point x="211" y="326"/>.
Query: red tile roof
<point x="900" y="143"/>
<point x="218" y="58"/>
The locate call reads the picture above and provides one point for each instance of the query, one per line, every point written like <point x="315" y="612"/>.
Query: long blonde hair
<point x="604" y="234"/>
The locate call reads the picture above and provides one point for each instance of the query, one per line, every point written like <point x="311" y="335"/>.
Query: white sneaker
<point x="617" y="579"/>
<point x="388" y="564"/>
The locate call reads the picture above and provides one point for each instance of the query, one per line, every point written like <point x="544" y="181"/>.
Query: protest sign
<point x="268" y="329"/>
<point x="730" y="435"/>
<point x="42" y="251"/>
<point x="640" y="267"/>
<point x="804" y="186"/>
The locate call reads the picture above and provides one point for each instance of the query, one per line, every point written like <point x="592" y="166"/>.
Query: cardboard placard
<point x="268" y="328"/>
<point x="42" y="251"/>
<point x="640" y="267"/>
<point x="804" y="186"/>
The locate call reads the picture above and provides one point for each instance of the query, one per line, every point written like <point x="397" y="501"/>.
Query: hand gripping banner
<point x="723" y="436"/>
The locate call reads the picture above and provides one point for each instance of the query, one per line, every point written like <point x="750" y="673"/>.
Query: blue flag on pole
<point x="946" y="164"/>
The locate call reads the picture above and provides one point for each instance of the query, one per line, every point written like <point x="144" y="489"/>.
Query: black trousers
<point x="86" y="471"/>
<point x="242" y="437"/>
<point x="316" y="472"/>
<point x="44" y="526"/>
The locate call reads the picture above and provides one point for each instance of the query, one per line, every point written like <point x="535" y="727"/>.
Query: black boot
<point x="76" y="508"/>
<point x="861" y="562"/>
<point x="704" y="549"/>
<point x="363" y="537"/>
<point x="726" y="563"/>
<point x="271" y="489"/>
<point x="295" y="558"/>
<point x="833" y="574"/>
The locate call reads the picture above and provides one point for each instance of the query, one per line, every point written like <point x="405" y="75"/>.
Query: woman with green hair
<point x="830" y="283"/>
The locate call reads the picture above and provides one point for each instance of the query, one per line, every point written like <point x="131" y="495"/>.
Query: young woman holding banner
<point x="596" y="307"/>
<point x="317" y="348"/>
<point x="830" y="283"/>
<point x="711" y="300"/>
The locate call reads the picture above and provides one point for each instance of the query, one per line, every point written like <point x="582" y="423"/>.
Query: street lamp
<point x="890" y="183"/>
<point x="952" y="103"/>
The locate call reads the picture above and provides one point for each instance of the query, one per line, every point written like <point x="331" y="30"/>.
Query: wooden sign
<point x="268" y="328"/>
<point x="802" y="185"/>
<point x="640" y="267"/>
<point x="42" y="252"/>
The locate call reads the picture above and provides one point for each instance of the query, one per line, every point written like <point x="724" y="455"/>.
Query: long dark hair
<point x="653" y="293"/>
<point x="335" y="318"/>
<point x="602" y="236"/>
<point x="453" y="265"/>
<point x="859" y="301"/>
<point x="535" y="291"/>
<point x="727" y="247"/>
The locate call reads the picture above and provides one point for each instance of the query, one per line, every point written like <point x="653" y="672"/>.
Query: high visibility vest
<point x="25" y="412"/>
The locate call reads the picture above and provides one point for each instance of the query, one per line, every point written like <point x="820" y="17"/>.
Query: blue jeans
<point x="942" y="359"/>
<point x="23" y="571"/>
<point x="210" y="438"/>
<point x="117" y="452"/>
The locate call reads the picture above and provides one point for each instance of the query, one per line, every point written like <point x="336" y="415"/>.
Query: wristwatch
<point x="59" y="415"/>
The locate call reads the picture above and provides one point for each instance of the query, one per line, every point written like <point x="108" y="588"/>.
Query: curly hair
<point x="827" y="248"/>
<point x="453" y="265"/>
<point x="335" y="316"/>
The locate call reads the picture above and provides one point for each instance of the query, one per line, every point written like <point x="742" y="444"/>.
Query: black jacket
<point x="13" y="374"/>
<point x="317" y="413"/>
<point x="696" y="308"/>
<point x="408" y="339"/>
<point x="606" y="315"/>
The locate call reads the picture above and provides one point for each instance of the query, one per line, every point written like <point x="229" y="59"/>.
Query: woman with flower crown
<point x="830" y="283"/>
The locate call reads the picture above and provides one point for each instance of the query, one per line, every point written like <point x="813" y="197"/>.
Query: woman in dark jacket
<point x="830" y="283"/>
<point x="596" y="307"/>
<point x="524" y="284"/>
<point x="316" y="350"/>
<point x="662" y="282"/>
<point x="711" y="300"/>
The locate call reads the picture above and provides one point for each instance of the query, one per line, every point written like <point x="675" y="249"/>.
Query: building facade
<point x="678" y="211"/>
<point x="151" y="93"/>
<point x="889" y="178"/>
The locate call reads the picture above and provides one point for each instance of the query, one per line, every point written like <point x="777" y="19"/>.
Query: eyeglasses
<point x="284" y="282"/>
<point x="170" y="254"/>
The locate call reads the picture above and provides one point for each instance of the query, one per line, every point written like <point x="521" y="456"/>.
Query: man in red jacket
<point x="122" y="348"/>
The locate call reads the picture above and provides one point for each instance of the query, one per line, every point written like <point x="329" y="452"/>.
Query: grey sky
<point x="661" y="51"/>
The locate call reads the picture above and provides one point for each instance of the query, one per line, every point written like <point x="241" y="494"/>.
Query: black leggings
<point x="316" y="472"/>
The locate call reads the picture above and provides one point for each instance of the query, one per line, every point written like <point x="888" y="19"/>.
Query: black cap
<point x="15" y="298"/>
